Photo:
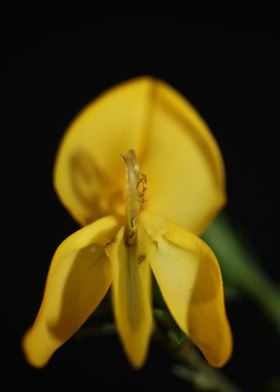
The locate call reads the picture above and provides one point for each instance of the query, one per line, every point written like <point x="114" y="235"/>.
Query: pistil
<point x="135" y="190"/>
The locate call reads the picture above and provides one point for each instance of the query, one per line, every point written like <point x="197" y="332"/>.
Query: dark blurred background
<point x="57" y="60"/>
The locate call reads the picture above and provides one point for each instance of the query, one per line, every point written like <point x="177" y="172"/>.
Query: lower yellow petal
<point x="190" y="280"/>
<point x="132" y="295"/>
<point x="79" y="276"/>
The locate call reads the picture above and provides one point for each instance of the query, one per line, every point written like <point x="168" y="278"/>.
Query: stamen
<point x="135" y="190"/>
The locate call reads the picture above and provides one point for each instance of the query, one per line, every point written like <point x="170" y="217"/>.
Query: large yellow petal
<point x="78" y="279"/>
<point x="190" y="280"/>
<point x="132" y="295"/>
<point x="89" y="172"/>
<point x="182" y="162"/>
<point x="174" y="146"/>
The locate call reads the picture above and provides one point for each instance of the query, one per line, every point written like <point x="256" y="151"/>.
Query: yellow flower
<point x="129" y="229"/>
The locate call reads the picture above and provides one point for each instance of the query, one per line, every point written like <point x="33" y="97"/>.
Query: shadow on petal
<point x="78" y="279"/>
<point x="206" y="318"/>
<point x="92" y="190"/>
<point x="85" y="286"/>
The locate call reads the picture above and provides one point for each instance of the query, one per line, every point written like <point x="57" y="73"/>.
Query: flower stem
<point x="199" y="373"/>
<point x="241" y="268"/>
<point x="191" y="367"/>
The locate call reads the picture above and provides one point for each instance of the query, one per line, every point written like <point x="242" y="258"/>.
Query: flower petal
<point x="190" y="280"/>
<point x="78" y="279"/>
<point x="174" y="146"/>
<point x="182" y="162"/>
<point x="89" y="172"/>
<point x="132" y="295"/>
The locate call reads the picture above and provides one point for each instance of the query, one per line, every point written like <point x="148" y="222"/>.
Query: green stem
<point x="199" y="373"/>
<point x="192" y="367"/>
<point x="241" y="269"/>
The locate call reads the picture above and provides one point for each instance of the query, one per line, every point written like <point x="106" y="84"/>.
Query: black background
<point x="57" y="60"/>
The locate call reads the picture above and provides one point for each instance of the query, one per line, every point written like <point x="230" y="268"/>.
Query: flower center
<point x="135" y="191"/>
